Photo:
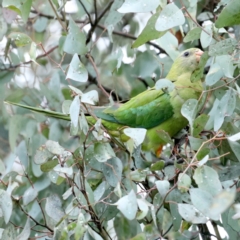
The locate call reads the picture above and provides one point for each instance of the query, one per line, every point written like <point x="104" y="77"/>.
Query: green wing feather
<point x="146" y="110"/>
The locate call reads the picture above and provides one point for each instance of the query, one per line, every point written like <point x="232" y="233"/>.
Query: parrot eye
<point x="186" y="54"/>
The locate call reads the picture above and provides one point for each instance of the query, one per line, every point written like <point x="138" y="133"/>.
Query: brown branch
<point x="126" y="35"/>
<point x="58" y="18"/>
<point x="86" y="11"/>
<point x="30" y="61"/>
<point x="88" y="56"/>
<point x="33" y="219"/>
<point x="97" y="20"/>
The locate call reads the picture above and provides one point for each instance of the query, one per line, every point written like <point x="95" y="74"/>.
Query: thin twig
<point x="95" y="9"/>
<point x="58" y="18"/>
<point x="126" y="35"/>
<point x="86" y="11"/>
<point x="97" y="20"/>
<point x="88" y="56"/>
<point x="30" y="61"/>
<point x="33" y="219"/>
<point x="133" y="38"/>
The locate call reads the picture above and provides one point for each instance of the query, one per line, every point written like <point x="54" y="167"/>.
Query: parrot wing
<point x="146" y="110"/>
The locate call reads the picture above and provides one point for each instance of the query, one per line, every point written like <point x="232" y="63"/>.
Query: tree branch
<point x="30" y="61"/>
<point x="126" y="35"/>
<point x="88" y="56"/>
<point x="97" y="20"/>
<point x="89" y="16"/>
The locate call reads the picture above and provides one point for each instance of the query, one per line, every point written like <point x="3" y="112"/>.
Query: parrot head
<point x="186" y="63"/>
<point x="189" y="59"/>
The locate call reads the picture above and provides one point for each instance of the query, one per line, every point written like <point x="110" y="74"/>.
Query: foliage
<point x="63" y="177"/>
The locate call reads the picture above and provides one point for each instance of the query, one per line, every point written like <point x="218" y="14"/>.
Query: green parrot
<point x="156" y="110"/>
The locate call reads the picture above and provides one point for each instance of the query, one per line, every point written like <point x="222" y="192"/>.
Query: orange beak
<point x="198" y="54"/>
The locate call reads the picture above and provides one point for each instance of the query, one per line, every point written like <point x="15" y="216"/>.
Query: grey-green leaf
<point x="171" y="16"/>
<point x="214" y="75"/>
<point x="6" y="205"/>
<point x="165" y="85"/>
<point x="53" y="208"/>
<point x="25" y="232"/>
<point x="29" y="195"/>
<point x="149" y="32"/>
<point x="192" y="35"/>
<point x="224" y="47"/>
<point x="75" y="41"/>
<point x="229" y="15"/>
<point x="77" y="70"/>
<point x="191" y="214"/>
<point x="189" y="110"/>
<point x="103" y="152"/>
<point x="138" y="6"/>
<point x="128" y="205"/>
<point x="112" y="170"/>
<point x="208" y="180"/>
<point x="74" y="111"/>
<point x="162" y="187"/>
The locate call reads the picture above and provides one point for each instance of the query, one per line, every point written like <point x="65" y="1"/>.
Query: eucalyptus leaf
<point x="90" y="97"/>
<point x="197" y="74"/>
<point x="207" y="179"/>
<point x="235" y="146"/>
<point x="225" y="107"/>
<point x="29" y="195"/>
<point x="202" y="200"/>
<point x="214" y="75"/>
<point x="128" y="205"/>
<point x="103" y="152"/>
<point x="112" y="170"/>
<point x="136" y="134"/>
<point x="48" y="166"/>
<point x="192" y="35"/>
<point x="171" y="16"/>
<point x="157" y="166"/>
<point x="184" y="182"/>
<point x="222" y="202"/>
<point x="144" y="207"/>
<point x="75" y="40"/>
<point x="21" y="7"/>
<point x="229" y="172"/>
<point x="6" y="205"/>
<point x="162" y="187"/>
<point x="229" y="15"/>
<point x="42" y="155"/>
<point x="191" y="214"/>
<point x="20" y="39"/>
<point x="206" y="36"/>
<point x="224" y="47"/>
<point x="165" y="85"/>
<point x="189" y="110"/>
<point x="25" y="234"/>
<point x="149" y="32"/>
<point x="170" y="44"/>
<point x="54" y="147"/>
<point x="138" y="6"/>
<point x="138" y="175"/>
<point x="77" y="70"/>
<point x="199" y="124"/>
<point x="74" y="111"/>
<point x="53" y="208"/>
